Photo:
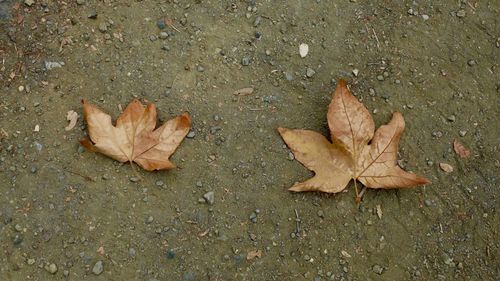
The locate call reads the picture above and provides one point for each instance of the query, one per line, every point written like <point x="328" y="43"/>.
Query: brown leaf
<point x="254" y="254"/>
<point x="357" y="152"/>
<point x="134" y="137"/>
<point x="446" y="167"/>
<point x="460" y="149"/>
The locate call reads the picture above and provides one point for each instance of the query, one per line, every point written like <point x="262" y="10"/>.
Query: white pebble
<point x="355" y="72"/>
<point x="303" y="50"/>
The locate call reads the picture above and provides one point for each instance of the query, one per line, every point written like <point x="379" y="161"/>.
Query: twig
<point x="171" y="25"/>
<point x="297" y="223"/>
<point x="376" y="38"/>
<point x="87" y="178"/>
<point x="470" y="5"/>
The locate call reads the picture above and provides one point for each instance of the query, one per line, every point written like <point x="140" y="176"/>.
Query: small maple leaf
<point x="134" y="138"/>
<point x="356" y="152"/>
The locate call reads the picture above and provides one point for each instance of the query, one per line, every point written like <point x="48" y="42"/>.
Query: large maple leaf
<point x="356" y="152"/>
<point x="134" y="138"/>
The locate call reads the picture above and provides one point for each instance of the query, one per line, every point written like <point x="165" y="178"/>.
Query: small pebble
<point x="80" y="2"/>
<point x="18" y="228"/>
<point x="462" y="133"/>
<point x="191" y="134"/>
<point x="170" y="254"/>
<point x="29" y="3"/>
<point x="131" y="252"/>
<point x="451" y="118"/>
<point x="437" y="134"/>
<point x="321" y="214"/>
<point x="98" y="268"/>
<point x="149" y="220"/>
<point x="209" y="197"/>
<point x="378" y="269"/>
<point x="159" y="183"/>
<point x="471" y="62"/>
<point x="103" y="27"/>
<point x="303" y="50"/>
<point x="461" y="13"/>
<point x="253" y="217"/>
<point x="380" y="77"/>
<point x="246" y="61"/>
<point x="92" y="15"/>
<point x="51" y="268"/>
<point x="18" y="239"/>
<point x="257" y="21"/>
<point x="200" y="68"/>
<point x="163" y="35"/>
<point x="161" y="24"/>
<point x="288" y="76"/>
<point x="355" y="72"/>
<point x="310" y="72"/>
<point x="428" y="202"/>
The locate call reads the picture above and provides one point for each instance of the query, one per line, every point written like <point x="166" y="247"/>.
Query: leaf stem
<point x="135" y="171"/>
<point x="356" y="189"/>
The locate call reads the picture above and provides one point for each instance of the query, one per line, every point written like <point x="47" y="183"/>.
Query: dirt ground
<point x="68" y="214"/>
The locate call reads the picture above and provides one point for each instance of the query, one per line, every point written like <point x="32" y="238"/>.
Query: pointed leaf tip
<point x="342" y="83"/>
<point x="184" y="121"/>
<point x="282" y="130"/>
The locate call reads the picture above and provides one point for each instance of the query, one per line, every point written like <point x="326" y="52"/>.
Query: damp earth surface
<point x="225" y="213"/>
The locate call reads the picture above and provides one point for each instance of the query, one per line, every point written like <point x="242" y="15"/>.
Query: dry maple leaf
<point x="356" y="152"/>
<point x="134" y="137"/>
